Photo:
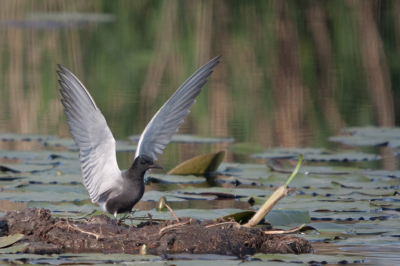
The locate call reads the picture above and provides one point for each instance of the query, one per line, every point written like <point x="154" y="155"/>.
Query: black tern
<point x="114" y="191"/>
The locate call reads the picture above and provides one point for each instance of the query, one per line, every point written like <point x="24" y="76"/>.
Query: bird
<point x="116" y="191"/>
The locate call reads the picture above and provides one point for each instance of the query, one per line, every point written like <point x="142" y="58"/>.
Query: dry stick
<point x="280" y="232"/>
<point x="169" y="208"/>
<point x="273" y="199"/>
<point x="225" y="223"/>
<point x="172" y="226"/>
<point x="83" y="231"/>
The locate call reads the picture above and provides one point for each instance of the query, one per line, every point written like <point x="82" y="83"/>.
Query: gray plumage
<point x="101" y="175"/>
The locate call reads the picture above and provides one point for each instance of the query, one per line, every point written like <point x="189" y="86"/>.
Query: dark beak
<point x="156" y="166"/>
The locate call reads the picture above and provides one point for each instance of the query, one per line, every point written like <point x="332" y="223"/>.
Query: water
<point x="287" y="80"/>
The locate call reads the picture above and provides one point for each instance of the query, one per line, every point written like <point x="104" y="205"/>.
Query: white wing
<point x="92" y="136"/>
<point x="168" y="119"/>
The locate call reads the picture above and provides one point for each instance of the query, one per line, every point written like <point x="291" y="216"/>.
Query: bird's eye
<point x="143" y="162"/>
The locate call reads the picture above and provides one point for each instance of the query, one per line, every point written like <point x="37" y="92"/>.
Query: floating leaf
<point x="239" y="217"/>
<point x="199" y="165"/>
<point x="50" y="193"/>
<point x="359" y="141"/>
<point x="337" y="170"/>
<point x="306" y="258"/>
<point x="286" y="217"/>
<point x="120" y="145"/>
<point x="183" y="138"/>
<point x="24" y="168"/>
<point x="370" y="136"/>
<point x="15" y="249"/>
<point x="9" y="240"/>
<point x="342" y="157"/>
<point x="159" y="178"/>
<point x="287" y="153"/>
<point x="25" y="137"/>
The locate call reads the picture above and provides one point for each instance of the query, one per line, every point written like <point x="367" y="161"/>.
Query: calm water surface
<point x="287" y="80"/>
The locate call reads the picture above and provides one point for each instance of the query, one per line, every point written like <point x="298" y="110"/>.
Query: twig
<point x="171" y="226"/>
<point x="97" y="236"/>
<point x="169" y="208"/>
<point x="281" y="232"/>
<point x="225" y="223"/>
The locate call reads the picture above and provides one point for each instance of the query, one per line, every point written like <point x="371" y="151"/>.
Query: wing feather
<point x="92" y="135"/>
<point x="158" y="133"/>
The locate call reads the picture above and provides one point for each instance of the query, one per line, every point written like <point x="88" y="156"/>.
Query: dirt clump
<point x="47" y="234"/>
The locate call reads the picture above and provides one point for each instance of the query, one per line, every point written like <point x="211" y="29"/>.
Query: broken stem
<point x="171" y="210"/>
<point x="274" y="198"/>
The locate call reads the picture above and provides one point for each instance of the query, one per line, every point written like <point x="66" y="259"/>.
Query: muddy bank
<point x="98" y="234"/>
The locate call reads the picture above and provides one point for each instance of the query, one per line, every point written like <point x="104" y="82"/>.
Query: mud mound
<point x="52" y="235"/>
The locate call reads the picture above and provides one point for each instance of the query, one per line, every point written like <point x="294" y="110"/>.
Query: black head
<point x="144" y="163"/>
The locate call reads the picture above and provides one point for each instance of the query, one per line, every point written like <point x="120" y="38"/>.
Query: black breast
<point x="124" y="202"/>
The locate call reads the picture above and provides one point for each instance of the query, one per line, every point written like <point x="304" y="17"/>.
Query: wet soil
<point x="100" y="234"/>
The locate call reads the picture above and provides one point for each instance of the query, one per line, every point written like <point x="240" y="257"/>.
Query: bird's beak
<point x="156" y="166"/>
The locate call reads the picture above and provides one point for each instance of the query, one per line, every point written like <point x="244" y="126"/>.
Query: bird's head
<point x="143" y="163"/>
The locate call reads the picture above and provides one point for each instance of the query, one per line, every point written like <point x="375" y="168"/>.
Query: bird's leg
<point x="131" y="218"/>
<point x="116" y="222"/>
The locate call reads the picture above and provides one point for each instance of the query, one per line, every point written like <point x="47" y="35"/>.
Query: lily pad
<point x="120" y="145"/>
<point x="83" y="206"/>
<point x="199" y="165"/>
<point x="9" y="240"/>
<point x="240" y="217"/>
<point x="310" y="258"/>
<point x="51" y="193"/>
<point x="287" y="153"/>
<point x="306" y="169"/>
<point x="342" y="157"/>
<point x="25" y="137"/>
<point x="229" y="192"/>
<point x="184" y="138"/>
<point x="370" y="136"/>
<point x="359" y="141"/>
<point x="15" y="249"/>
<point x="24" y="168"/>
<point x="168" y="178"/>
<point x="286" y="217"/>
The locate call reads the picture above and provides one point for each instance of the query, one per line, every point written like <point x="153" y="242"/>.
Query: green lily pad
<point x="51" y="193"/>
<point x="307" y="169"/>
<point x="342" y="157"/>
<point x="287" y="153"/>
<point x="9" y="240"/>
<point x="25" y="137"/>
<point x="228" y="192"/>
<point x="286" y="217"/>
<point x="307" y="258"/>
<point x="183" y="138"/>
<point x="240" y="217"/>
<point x="24" y="168"/>
<point x="168" y="178"/>
<point x="120" y="145"/>
<point x="199" y="165"/>
<point x="31" y="156"/>
<point x="359" y="141"/>
<point x="15" y="249"/>
<point x="370" y="136"/>
<point x="83" y="206"/>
